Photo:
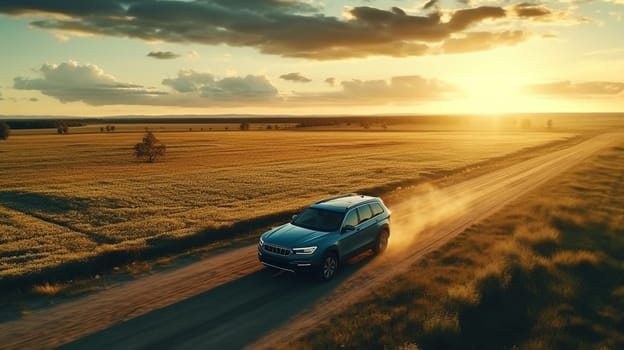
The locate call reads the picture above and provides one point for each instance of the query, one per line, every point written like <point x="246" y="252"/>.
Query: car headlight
<point x="261" y="243"/>
<point x="305" y="250"/>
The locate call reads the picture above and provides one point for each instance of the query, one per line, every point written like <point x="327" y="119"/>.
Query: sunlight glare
<point x="493" y="95"/>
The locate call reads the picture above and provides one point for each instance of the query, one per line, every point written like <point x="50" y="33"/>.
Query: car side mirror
<point x="294" y="217"/>
<point x="348" y="228"/>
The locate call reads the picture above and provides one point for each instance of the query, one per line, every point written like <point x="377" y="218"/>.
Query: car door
<point x="349" y="238"/>
<point x="367" y="227"/>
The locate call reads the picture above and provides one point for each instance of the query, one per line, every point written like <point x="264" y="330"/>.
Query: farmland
<point x="544" y="273"/>
<point x="71" y="197"/>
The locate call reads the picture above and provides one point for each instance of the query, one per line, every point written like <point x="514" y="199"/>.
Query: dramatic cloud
<point x="399" y="89"/>
<point x="163" y="55"/>
<point x="296" y="77"/>
<point x="287" y="28"/>
<point x="71" y="81"/>
<point x="570" y="89"/>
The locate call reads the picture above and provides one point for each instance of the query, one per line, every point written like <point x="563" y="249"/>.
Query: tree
<point x="62" y="128"/>
<point x="151" y="148"/>
<point x="5" y="130"/>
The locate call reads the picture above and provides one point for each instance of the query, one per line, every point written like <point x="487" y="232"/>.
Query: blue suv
<point x="326" y="233"/>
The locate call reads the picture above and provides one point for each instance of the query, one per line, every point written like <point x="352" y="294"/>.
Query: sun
<point x="494" y="95"/>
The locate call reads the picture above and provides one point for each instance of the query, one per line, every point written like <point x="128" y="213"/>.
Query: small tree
<point x="5" y="130"/>
<point x="62" y="128"/>
<point x="150" y="149"/>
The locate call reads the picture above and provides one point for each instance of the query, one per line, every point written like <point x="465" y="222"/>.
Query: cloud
<point x="331" y="81"/>
<point x="571" y="89"/>
<point x="71" y="81"/>
<point x="531" y="10"/>
<point x="33" y="99"/>
<point x="479" y="41"/>
<point x="295" y="77"/>
<point x="429" y="4"/>
<point x="398" y="89"/>
<point x="229" y="88"/>
<point x="286" y="28"/>
<point x="192" y="55"/>
<point x="163" y="55"/>
<point x="75" y="82"/>
<point x="541" y="13"/>
<point x="189" y="81"/>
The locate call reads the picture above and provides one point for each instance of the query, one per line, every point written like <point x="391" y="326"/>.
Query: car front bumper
<point x="290" y="263"/>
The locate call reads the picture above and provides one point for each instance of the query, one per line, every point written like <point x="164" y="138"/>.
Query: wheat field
<point x="546" y="272"/>
<point x="70" y="197"/>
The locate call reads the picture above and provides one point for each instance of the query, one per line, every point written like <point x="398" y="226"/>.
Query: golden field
<point x="546" y="272"/>
<point x="70" y="197"/>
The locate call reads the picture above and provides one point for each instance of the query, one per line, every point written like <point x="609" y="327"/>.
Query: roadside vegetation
<point x="547" y="272"/>
<point x="78" y="202"/>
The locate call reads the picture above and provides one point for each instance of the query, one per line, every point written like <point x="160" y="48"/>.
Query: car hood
<point x="291" y="236"/>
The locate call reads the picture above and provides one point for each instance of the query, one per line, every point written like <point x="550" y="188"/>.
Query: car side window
<point x="377" y="209"/>
<point x="351" y="218"/>
<point x="365" y="213"/>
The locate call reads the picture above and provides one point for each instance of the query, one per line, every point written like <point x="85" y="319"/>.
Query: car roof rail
<point x="336" y="197"/>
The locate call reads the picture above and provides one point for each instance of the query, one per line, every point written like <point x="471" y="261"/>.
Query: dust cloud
<point x="427" y="207"/>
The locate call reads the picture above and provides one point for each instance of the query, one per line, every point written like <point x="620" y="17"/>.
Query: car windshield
<point x="319" y="219"/>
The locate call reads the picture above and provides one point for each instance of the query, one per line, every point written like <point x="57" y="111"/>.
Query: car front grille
<point x="276" y="249"/>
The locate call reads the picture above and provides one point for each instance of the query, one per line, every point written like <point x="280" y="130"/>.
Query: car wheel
<point x="382" y="242"/>
<point x="329" y="266"/>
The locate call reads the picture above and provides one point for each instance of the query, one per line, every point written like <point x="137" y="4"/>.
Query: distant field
<point x="546" y="272"/>
<point x="69" y="197"/>
<point x="154" y="127"/>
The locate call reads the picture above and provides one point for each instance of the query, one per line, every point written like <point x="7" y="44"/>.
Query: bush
<point x="150" y="148"/>
<point x="5" y="130"/>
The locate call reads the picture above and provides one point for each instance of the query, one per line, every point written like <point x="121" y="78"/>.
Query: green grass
<point x="545" y="273"/>
<point x="67" y="198"/>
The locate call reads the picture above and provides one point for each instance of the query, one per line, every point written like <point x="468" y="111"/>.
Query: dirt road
<point x="230" y="301"/>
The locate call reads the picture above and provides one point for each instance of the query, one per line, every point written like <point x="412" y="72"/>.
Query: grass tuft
<point x="576" y="258"/>
<point x="47" y="289"/>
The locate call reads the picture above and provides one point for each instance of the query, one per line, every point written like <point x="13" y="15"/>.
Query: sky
<point x="308" y="57"/>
